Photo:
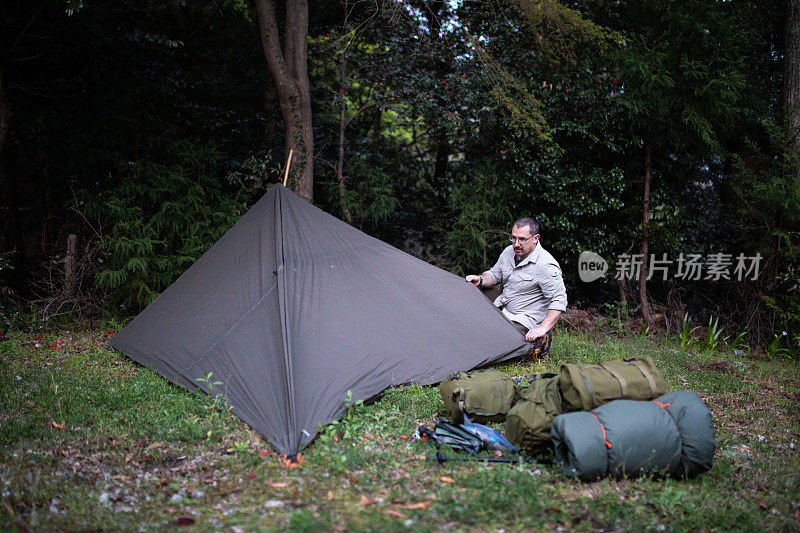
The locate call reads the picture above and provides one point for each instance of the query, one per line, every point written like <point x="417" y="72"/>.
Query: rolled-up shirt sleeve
<point x="497" y="271"/>
<point x="553" y="289"/>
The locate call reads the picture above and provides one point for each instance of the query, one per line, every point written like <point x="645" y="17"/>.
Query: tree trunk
<point x="623" y="298"/>
<point x="435" y="11"/>
<point x="70" y="262"/>
<point x="340" y="161"/>
<point x="289" y="69"/>
<point x="646" y="315"/>
<point x="791" y="79"/>
<point x="442" y="158"/>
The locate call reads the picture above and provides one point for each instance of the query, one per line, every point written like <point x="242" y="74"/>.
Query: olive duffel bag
<point x="528" y="423"/>
<point x="484" y="395"/>
<point x="588" y="386"/>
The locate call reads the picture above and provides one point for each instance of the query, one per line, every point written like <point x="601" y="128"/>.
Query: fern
<point x="160" y="219"/>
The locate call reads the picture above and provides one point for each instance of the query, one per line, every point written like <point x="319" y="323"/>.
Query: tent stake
<point x="288" y="163"/>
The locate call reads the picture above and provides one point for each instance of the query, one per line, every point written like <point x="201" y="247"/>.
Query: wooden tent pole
<point x="288" y="164"/>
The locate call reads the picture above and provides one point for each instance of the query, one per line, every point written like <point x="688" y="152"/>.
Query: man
<point x="534" y="295"/>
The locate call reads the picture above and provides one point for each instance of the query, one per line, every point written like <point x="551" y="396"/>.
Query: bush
<point x="770" y="223"/>
<point x="158" y="221"/>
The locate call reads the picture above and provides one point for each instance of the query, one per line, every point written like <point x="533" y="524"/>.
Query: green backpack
<point x="485" y="395"/>
<point x="528" y="422"/>
<point x="588" y="386"/>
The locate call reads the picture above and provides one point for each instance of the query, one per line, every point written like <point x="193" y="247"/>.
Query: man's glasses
<point x="521" y="240"/>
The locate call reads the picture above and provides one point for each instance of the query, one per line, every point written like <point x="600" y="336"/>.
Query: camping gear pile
<point x="298" y="313"/>
<point x="613" y="418"/>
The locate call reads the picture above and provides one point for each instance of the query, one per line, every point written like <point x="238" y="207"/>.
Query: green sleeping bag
<point x="672" y="435"/>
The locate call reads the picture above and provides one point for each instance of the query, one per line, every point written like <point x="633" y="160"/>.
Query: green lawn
<point x="90" y="440"/>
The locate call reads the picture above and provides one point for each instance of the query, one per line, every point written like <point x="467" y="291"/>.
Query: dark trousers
<point x="492" y="295"/>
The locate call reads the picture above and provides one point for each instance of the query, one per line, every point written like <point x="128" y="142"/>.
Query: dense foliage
<point x="159" y="223"/>
<point x="435" y="125"/>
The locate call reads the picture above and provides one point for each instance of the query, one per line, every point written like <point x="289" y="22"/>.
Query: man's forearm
<point x="484" y="280"/>
<point x="551" y="319"/>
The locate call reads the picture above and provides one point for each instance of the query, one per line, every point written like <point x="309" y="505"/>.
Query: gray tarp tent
<point x="292" y="308"/>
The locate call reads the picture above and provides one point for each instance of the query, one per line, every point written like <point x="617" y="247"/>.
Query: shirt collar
<point x="532" y="257"/>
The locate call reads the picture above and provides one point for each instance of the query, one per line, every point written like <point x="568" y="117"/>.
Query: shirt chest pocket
<point x="522" y="280"/>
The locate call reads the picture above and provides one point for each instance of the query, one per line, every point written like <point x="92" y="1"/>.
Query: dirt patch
<point x="578" y="319"/>
<point x="723" y="367"/>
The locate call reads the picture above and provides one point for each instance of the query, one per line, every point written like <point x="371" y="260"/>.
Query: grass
<point x="90" y="440"/>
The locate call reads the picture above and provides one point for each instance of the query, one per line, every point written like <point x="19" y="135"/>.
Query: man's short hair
<point x="530" y="223"/>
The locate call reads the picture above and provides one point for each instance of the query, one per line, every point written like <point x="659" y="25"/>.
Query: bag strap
<point x="646" y="373"/>
<point x="457" y="392"/>
<point x="622" y="383"/>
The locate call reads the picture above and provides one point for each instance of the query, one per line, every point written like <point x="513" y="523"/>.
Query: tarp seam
<point x="205" y="353"/>
<point x="284" y="321"/>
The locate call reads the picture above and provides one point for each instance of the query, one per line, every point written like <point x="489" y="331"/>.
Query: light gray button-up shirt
<point x="530" y="288"/>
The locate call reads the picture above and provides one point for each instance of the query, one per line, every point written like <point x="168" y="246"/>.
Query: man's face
<point x="524" y="242"/>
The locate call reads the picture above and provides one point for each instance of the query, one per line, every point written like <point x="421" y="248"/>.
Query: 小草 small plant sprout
<point x="714" y="334"/>
<point x="686" y="331"/>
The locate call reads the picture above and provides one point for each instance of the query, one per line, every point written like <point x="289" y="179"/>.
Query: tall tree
<point x="682" y="75"/>
<point x="288" y="65"/>
<point x="436" y="12"/>
<point x="791" y="78"/>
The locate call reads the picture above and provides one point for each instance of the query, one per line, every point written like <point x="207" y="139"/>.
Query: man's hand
<point x="534" y="334"/>
<point x="475" y="280"/>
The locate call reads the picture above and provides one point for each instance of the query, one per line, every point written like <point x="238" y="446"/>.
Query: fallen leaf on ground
<point x="154" y="446"/>
<point x="367" y="501"/>
<point x="420" y="505"/>
<point x="251" y="475"/>
<point x="396" y="514"/>
<point x="278" y="484"/>
<point x="445" y="479"/>
<point x="58" y="426"/>
<point x="330" y="495"/>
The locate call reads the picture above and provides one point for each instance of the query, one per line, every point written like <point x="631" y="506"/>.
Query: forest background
<point x="134" y="134"/>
